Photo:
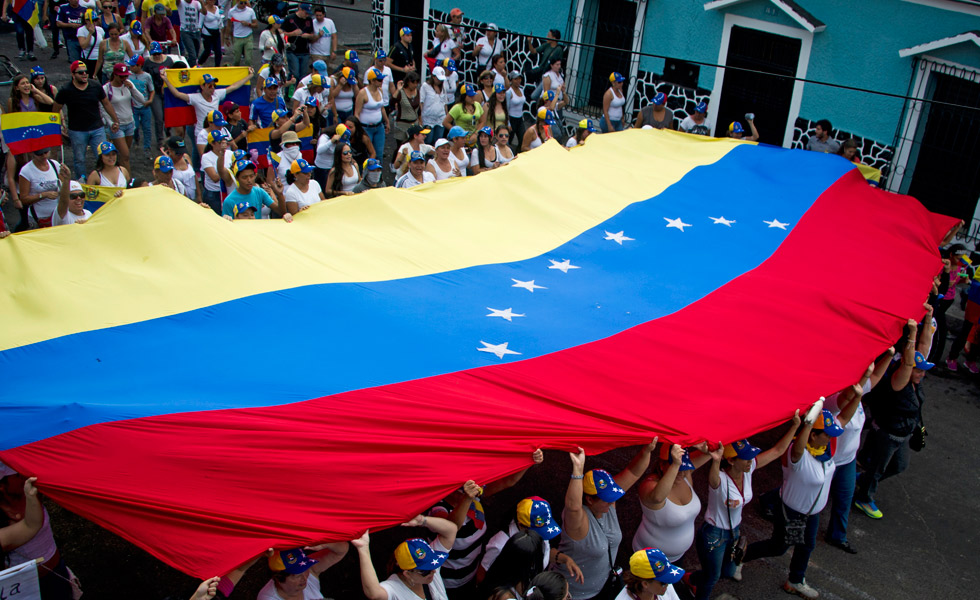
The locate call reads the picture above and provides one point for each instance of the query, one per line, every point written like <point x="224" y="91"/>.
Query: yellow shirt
<point x="149" y="4"/>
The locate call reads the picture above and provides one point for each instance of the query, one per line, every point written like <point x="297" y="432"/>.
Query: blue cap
<point x="295" y="561"/>
<point x="449" y="64"/>
<point x="163" y="164"/>
<point x="371" y="164"/>
<point x="828" y="424"/>
<point x="380" y="54"/>
<point x="456" y="132"/>
<point x="216" y="136"/>
<point x="548" y="95"/>
<point x="468" y="89"/>
<point x="217" y="118"/>
<point x="320" y="67"/>
<point x="741" y="449"/>
<point x="487" y="130"/>
<point x="351" y="55"/>
<point x="499" y="88"/>
<point x="686" y="464"/>
<point x="240" y="155"/>
<point x="300" y="166"/>
<point x="156" y="48"/>
<point x="35" y="71"/>
<point x="588" y="124"/>
<point x="616" y="77"/>
<point x="535" y="514"/>
<point x="416" y="155"/>
<point x="306" y="7"/>
<point x="735" y="127"/>
<point x="600" y="483"/>
<point x="660" y="98"/>
<point x="417" y="554"/>
<point x="547" y="116"/>
<point x="404" y="31"/>
<point x="235" y="210"/>
<point x="133" y="60"/>
<point x="311" y="101"/>
<point x="922" y="363"/>
<point x="652" y="563"/>
<point x="208" y="78"/>
<point x="271" y="81"/>
<point x="702" y="107"/>
<point x="106" y="147"/>
<point x="241" y="165"/>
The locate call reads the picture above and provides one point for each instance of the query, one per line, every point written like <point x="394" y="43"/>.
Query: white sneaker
<point x="800" y="589"/>
<point x="737" y="575"/>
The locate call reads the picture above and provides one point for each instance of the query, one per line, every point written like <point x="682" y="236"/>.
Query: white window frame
<point x="801" y="67"/>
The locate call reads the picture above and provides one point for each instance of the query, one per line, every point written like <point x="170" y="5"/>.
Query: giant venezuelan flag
<point x="270" y="384"/>
<point x="177" y="113"/>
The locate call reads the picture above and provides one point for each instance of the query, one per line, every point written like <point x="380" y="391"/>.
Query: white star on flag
<point x="527" y="285"/>
<point x="562" y="266"/>
<point x="722" y="221"/>
<point x="619" y="238"/>
<point x="677" y="223"/>
<point x="499" y="349"/>
<point x="776" y="223"/>
<point x="507" y="313"/>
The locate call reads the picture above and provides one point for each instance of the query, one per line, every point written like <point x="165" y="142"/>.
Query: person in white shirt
<point x="729" y="490"/>
<point x="415" y="143"/>
<point x="71" y="201"/>
<point x="190" y="12"/>
<point x="90" y="36"/>
<point x="417" y="574"/>
<point x="381" y="64"/>
<point x="209" y="168"/>
<point x="209" y="98"/>
<point x="297" y="575"/>
<point x="443" y="46"/>
<point x="808" y="468"/>
<point x="241" y="22"/>
<point x="302" y="192"/>
<point x="122" y="94"/>
<point x="325" y="46"/>
<point x="486" y="48"/>
<point x="38" y="187"/>
<point x="650" y="577"/>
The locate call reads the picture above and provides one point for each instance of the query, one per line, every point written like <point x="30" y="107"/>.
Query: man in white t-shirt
<point x="318" y="87"/>
<point x="417" y="175"/>
<point x="190" y="30"/>
<point x="697" y="122"/>
<point x="209" y="98"/>
<point x="325" y="46"/>
<point x="241" y="22"/>
<point x="297" y="575"/>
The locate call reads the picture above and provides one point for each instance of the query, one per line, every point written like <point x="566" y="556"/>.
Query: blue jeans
<point x="841" y="496"/>
<point x="883" y="456"/>
<point x="714" y="546"/>
<point x="777" y="546"/>
<point x="143" y="117"/>
<point x="298" y="65"/>
<point x="616" y="125"/>
<point x="190" y="44"/>
<point x="81" y="139"/>
<point x="73" y="49"/>
<point x="377" y="135"/>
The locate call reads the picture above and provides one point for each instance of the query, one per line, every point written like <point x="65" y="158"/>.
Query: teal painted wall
<point x="537" y="16"/>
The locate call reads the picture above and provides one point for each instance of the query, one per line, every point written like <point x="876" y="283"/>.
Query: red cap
<point x="120" y="69"/>
<point x="455" y="12"/>
<point x="228" y="107"/>
<point x="74" y="66"/>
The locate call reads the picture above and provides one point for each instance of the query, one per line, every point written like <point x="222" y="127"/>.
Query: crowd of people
<point x="444" y="127"/>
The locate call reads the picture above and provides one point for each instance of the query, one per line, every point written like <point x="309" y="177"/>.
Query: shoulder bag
<point x="795" y="529"/>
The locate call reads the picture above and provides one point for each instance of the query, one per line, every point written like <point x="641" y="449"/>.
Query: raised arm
<point x="21" y="532"/>
<point x="471" y="491"/>
<point x="173" y="89"/>
<point x="925" y="340"/>
<point x="847" y="411"/>
<point x="654" y="495"/>
<point x="799" y="445"/>
<point x="240" y="82"/>
<point x="903" y="374"/>
<point x="881" y="366"/>
<point x="64" y="177"/>
<point x="637" y="467"/>
<point x="369" y="577"/>
<point x="779" y="449"/>
<point x="576" y="522"/>
<point x="755" y="132"/>
<point x="328" y="554"/>
<point x="714" y="473"/>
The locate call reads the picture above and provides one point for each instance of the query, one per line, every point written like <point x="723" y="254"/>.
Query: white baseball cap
<point x="439" y="73"/>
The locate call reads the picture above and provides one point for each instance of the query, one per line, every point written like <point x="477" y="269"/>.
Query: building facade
<point x="790" y="62"/>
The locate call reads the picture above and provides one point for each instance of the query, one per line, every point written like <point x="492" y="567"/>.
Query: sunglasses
<point x="346" y="152"/>
<point x="503" y="136"/>
<point x="81" y="72"/>
<point x="77" y="195"/>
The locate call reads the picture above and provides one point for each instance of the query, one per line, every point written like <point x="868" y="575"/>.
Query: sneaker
<point x="737" y="575"/>
<point x="972" y="367"/>
<point x="869" y="508"/>
<point x="21" y="55"/>
<point x="30" y="56"/>
<point x="845" y="545"/>
<point x="54" y="54"/>
<point x="800" y="589"/>
<point x="951" y="365"/>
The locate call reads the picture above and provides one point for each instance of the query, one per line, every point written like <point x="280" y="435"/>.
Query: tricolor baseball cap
<point x="499" y="88"/>
<point x="651" y="563"/>
<point x="311" y="101"/>
<point x="155" y="47"/>
<point x="375" y="74"/>
<point x="416" y="553"/>
<point x="351" y="55"/>
<point x="487" y="130"/>
<point x="735" y="127"/>
<point x="547" y="116"/>
<point x="827" y="424"/>
<point x="741" y="449"/>
<point x="136" y="27"/>
<point x="37" y="71"/>
<point x="588" y="124"/>
<point x="922" y="363"/>
<point x="317" y="79"/>
<point x="217" y="118"/>
<point x="467" y="89"/>
<point x="293" y="561"/>
<point x="271" y="81"/>
<point x="106" y="148"/>
<point x="600" y="483"/>
<point x="240" y="155"/>
<point x="660" y="98"/>
<point x="416" y="156"/>
<point x="548" y="95"/>
<point x="616" y="77"/>
<point x="349" y="74"/>
<point x="300" y="166"/>
<point x="163" y="164"/>
<point x="404" y="31"/>
<point x="275" y="20"/>
<point x="277" y="114"/>
<point x="371" y="164"/>
<point x="380" y="55"/>
<point x="686" y="464"/>
<point x="216" y="136"/>
<point x="449" y="64"/>
<point x="135" y="60"/>
<point x="535" y="514"/>
<point x="208" y="78"/>
<point x="243" y="165"/>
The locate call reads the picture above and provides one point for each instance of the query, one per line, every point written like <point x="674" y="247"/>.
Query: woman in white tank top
<point x="344" y="175"/>
<point x="185" y="173"/>
<point x="343" y="94"/>
<point x="107" y="171"/>
<point x="729" y="490"/>
<point x="504" y="152"/>
<point x="669" y="504"/>
<point x="612" y="104"/>
<point x="443" y="166"/>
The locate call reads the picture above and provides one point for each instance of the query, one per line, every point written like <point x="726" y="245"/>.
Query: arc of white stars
<point x="563" y="265"/>
<point x="507" y="313"/>
<point x="497" y="349"/>
<point x="527" y="285"/>
<point x="677" y="223"/>
<point x="776" y="223"/>
<point x="619" y="238"/>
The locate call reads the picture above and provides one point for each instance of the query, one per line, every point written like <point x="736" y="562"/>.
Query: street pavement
<point x="924" y="547"/>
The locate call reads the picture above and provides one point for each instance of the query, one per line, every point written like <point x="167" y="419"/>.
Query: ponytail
<point x="549" y="585"/>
